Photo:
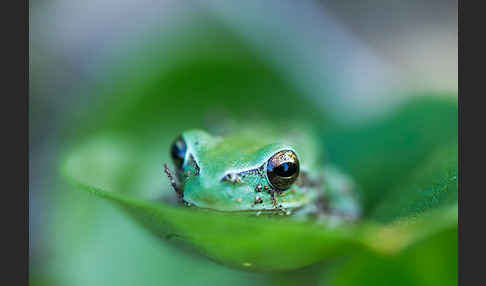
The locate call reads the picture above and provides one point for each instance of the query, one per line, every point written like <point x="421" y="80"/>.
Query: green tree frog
<point x="262" y="172"/>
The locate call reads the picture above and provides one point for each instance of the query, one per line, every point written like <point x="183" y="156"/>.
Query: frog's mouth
<point x="266" y="212"/>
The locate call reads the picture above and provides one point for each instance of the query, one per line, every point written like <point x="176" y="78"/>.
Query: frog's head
<point x="239" y="173"/>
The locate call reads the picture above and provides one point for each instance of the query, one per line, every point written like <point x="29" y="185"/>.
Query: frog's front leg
<point x="177" y="189"/>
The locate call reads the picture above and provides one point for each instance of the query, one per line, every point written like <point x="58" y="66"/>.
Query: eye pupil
<point x="178" y="152"/>
<point x="286" y="169"/>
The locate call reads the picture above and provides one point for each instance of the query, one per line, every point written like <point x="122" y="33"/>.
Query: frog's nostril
<point x="232" y="178"/>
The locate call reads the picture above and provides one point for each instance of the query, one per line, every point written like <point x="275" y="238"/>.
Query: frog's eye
<point x="283" y="169"/>
<point x="178" y="151"/>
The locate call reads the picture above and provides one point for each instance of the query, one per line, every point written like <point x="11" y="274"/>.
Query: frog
<point x="261" y="171"/>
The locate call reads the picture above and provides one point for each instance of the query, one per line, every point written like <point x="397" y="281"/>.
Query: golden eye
<point x="178" y="152"/>
<point x="283" y="169"/>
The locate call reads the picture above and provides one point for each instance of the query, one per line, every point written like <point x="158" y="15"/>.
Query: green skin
<point x="229" y="174"/>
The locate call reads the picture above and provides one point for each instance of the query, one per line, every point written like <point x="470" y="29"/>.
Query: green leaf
<point x="431" y="262"/>
<point x="381" y="155"/>
<point x="125" y="169"/>
<point x="242" y="242"/>
<point x="431" y="185"/>
<point x="265" y="243"/>
<point x="253" y="243"/>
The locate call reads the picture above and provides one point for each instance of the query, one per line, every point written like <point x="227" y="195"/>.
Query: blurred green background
<point x="112" y="83"/>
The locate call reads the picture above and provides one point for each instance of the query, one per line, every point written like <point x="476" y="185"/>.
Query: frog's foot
<point x="276" y="205"/>
<point x="177" y="189"/>
<point x="273" y="199"/>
